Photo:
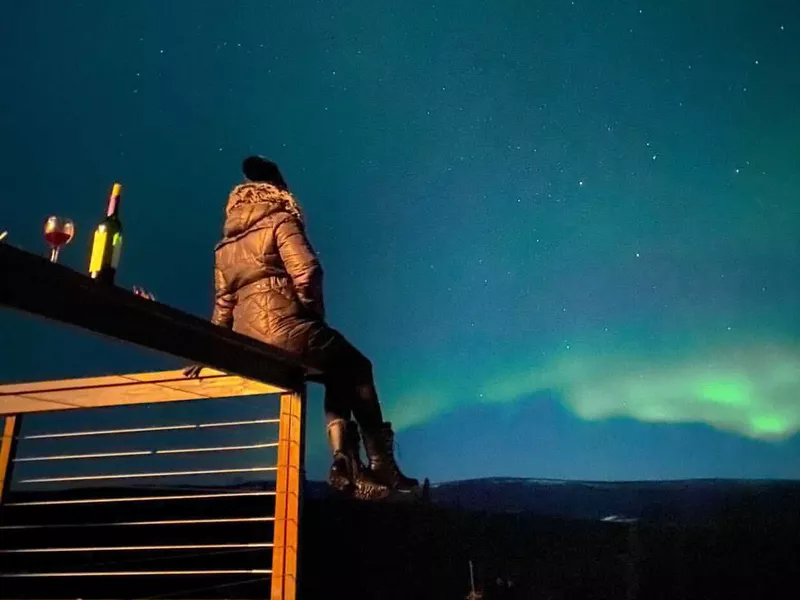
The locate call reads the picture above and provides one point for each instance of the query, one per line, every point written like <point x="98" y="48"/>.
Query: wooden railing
<point x="97" y="496"/>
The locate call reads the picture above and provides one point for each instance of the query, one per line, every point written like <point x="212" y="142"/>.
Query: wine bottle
<point x="107" y="243"/>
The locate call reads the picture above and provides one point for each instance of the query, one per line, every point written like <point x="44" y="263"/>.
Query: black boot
<point x="340" y="477"/>
<point x="347" y="473"/>
<point x="379" y="445"/>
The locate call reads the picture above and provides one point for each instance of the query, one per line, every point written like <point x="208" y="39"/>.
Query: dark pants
<point x="348" y="379"/>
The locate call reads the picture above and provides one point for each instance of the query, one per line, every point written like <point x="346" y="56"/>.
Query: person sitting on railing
<point x="268" y="282"/>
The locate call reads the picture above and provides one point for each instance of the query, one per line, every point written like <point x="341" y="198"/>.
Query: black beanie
<point x="258" y="168"/>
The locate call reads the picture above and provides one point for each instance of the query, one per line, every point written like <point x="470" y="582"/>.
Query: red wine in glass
<point x="58" y="232"/>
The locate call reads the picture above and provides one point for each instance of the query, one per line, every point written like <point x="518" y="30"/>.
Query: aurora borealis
<point x="520" y="206"/>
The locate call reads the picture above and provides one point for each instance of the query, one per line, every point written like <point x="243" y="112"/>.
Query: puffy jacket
<point x="267" y="276"/>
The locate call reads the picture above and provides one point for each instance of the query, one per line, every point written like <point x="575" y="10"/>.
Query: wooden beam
<point x="32" y="284"/>
<point x="120" y="390"/>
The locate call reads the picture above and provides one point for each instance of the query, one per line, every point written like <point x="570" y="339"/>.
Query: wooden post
<point x="288" y="490"/>
<point x="8" y="445"/>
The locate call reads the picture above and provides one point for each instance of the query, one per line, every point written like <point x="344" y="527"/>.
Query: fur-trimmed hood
<point x="251" y="202"/>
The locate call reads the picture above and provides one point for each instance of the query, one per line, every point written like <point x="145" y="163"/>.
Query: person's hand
<point x="192" y="371"/>
<point x="140" y="291"/>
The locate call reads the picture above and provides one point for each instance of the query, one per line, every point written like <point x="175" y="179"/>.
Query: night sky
<point x="566" y="233"/>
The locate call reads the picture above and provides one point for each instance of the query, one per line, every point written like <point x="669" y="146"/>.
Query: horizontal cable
<point x="44" y="436"/>
<point x="235" y="423"/>
<point x="142" y="475"/>
<point x="135" y="523"/>
<point x="47" y="436"/>
<point x="77" y="456"/>
<point x="135" y="548"/>
<point x="218" y="448"/>
<point x="137" y="499"/>
<point x="146" y="452"/>
<point x="141" y="573"/>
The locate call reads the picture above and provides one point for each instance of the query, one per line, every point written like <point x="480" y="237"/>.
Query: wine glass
<point x="58" y="232"/>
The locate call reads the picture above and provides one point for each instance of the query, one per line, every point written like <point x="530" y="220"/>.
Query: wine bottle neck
<point x="114" y="200"/>
<point x="113" y="206"/>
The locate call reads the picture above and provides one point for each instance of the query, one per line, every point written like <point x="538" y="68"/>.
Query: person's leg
<point x="349" y="381"/>
<point x="336" y="402"/>
<point x="348" y="390"/>
<point x="349" y="375"/>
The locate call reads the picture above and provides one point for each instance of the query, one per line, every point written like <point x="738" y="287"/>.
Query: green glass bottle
<point x="107" y="244"/>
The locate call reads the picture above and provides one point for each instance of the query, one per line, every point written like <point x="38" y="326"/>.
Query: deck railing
<point x="138" y="507"/>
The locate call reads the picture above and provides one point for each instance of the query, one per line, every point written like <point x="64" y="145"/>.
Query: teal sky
<point x="586" y="206"/>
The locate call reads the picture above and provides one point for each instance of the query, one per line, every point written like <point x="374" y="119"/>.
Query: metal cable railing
<point x="147" y="475"/>
<point x="140" y="499"/>
<point x="139" y="523"/>
<point x="134" y="503"/>
<point x="72" y="434"/>
<point x="69" y="495"/>
<point x="133" y="548"/>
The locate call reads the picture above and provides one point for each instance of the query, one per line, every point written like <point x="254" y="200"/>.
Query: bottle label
<point x="98" y="250"/>
<point x="116" y="243"/>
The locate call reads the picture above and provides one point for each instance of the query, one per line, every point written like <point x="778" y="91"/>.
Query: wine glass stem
<point x="54" y="254"/>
